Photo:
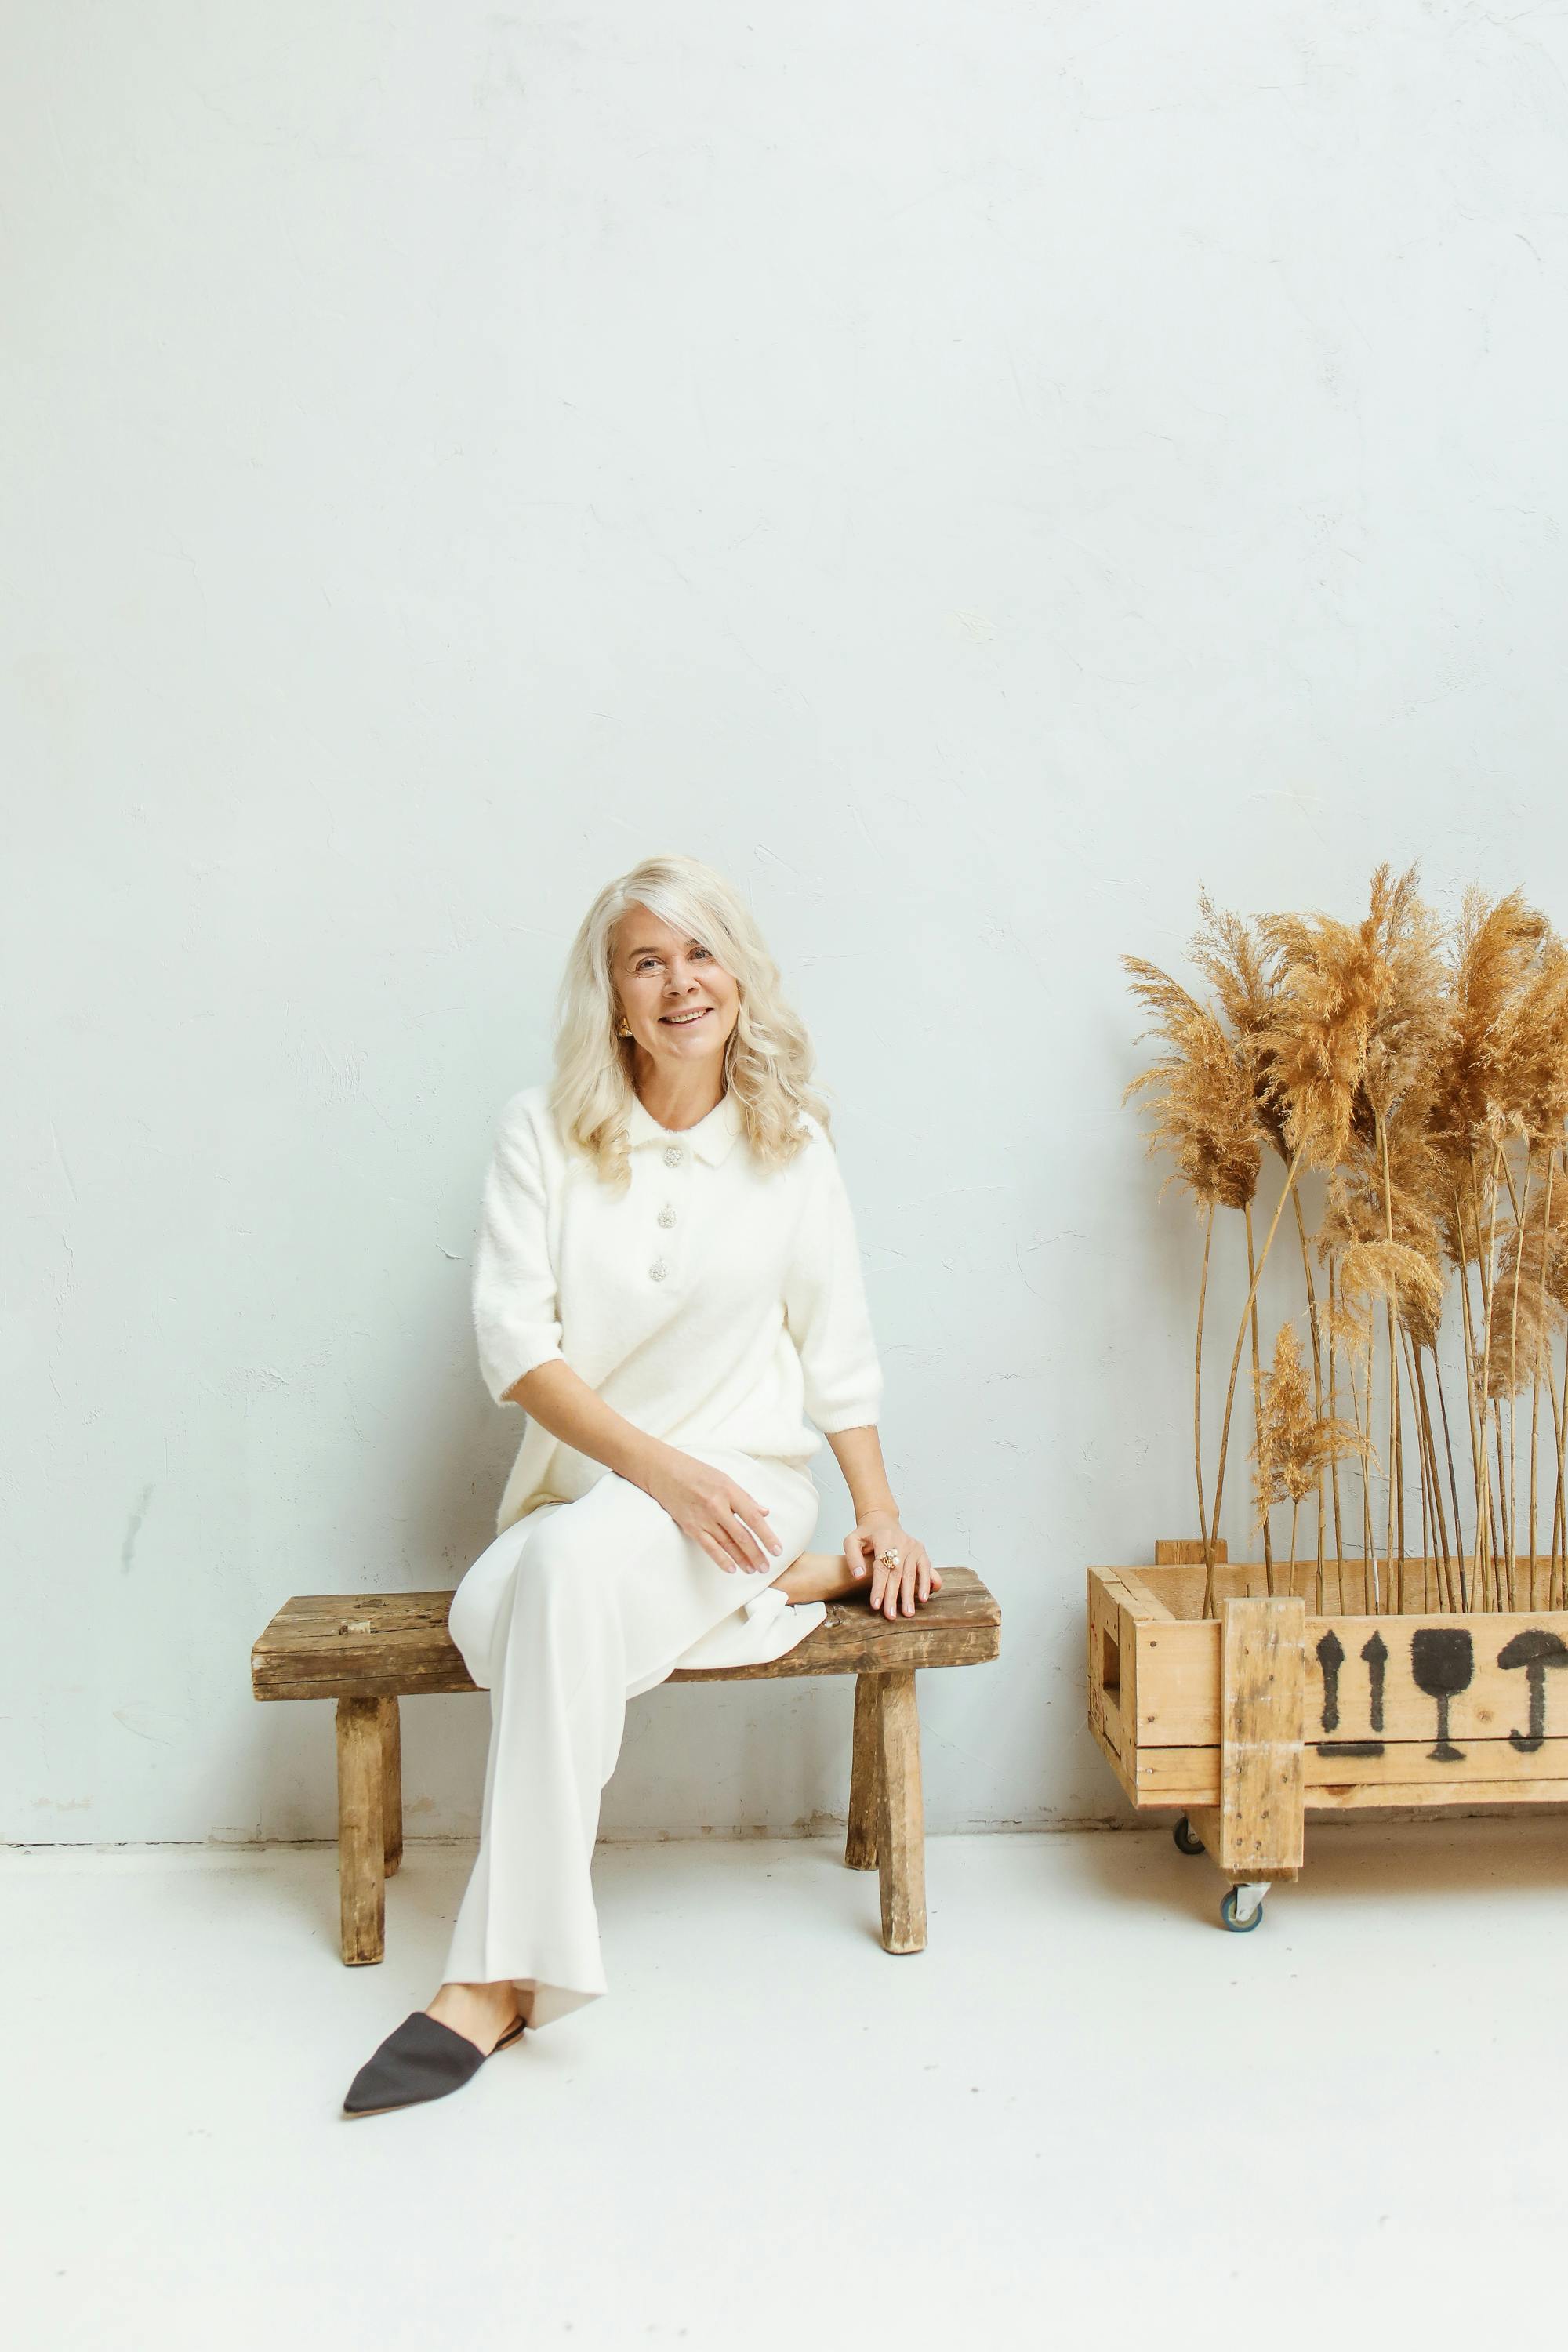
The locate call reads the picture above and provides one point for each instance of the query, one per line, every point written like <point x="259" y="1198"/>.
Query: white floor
<point x="1085" y="2113"/>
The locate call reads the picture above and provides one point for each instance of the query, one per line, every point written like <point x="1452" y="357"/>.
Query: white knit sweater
<point x="713" y="1303"/>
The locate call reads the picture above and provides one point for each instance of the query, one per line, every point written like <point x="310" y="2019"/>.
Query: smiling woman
<point x="679" y="1007"/>
<point x="667" y="1279"/>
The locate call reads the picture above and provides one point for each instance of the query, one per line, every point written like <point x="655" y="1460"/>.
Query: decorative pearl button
<point x="667" y="1215"/>
<point x="673" y="1155"/>
<point x="659" y="1269"/>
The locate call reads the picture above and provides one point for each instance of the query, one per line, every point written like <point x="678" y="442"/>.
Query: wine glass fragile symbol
<point x="1443" y="1663"/>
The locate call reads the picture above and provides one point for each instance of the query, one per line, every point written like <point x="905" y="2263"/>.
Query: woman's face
<point x="663" y="980"/>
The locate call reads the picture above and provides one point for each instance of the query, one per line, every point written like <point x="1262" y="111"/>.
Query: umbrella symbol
<point x="1535" y="1649"/>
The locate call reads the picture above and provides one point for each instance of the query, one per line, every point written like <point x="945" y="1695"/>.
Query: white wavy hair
<point x="768" y="1056"/>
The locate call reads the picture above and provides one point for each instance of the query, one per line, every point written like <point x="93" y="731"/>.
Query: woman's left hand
<point x="911" y="1581"/>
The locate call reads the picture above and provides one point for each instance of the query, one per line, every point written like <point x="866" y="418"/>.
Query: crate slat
<point x="1263" y="1677"/>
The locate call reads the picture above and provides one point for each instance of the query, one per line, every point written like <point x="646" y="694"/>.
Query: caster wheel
<point x="1237" y="1923"/>
<point x="1186" y="1837"/>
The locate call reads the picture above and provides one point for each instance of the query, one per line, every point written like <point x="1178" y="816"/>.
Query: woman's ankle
<point x="496" y="1995"/>
<point x="818" y="1576"/>
<point x="475" y="2009"/>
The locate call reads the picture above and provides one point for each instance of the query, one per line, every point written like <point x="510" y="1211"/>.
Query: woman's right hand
<point x="731" y="1525"/>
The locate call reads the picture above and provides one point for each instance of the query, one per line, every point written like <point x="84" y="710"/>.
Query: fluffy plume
<point x="1403" y="938"/>
<point x="1530" y="1071"/>
<point x="1238" y="966"/>
<point x="1355" y="1015"/>
<point x="1496" y="948"/>
<point x="1201" y="1091"/>
<point x="1395" y="1271"/>
<point x="1315" y="1045"/>
<point x="1364" y="1200"/>
<point x="1294" y="1444"/>
<point x="1243" y="973"/>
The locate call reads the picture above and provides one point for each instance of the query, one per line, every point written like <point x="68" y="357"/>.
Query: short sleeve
<point x="516" y="1309"/>
<point x="824" y="1305"/>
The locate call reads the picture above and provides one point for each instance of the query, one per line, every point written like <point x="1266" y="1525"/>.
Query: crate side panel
<point x="1178" y="1685"/>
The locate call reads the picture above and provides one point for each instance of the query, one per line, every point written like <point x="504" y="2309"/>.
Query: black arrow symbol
<point x="1375" y="1653"/>
<point x="1535" y="1649"/>
<point x="1330" y="1657"/>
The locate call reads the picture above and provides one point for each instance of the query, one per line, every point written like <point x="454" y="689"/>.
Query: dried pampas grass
<point x="1295" y="1444"/>
<point x="1425" y="1074"/>
<point x="1201" y="1095"/>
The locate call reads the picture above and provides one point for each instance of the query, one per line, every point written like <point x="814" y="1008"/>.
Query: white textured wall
<point x="969" y="471"/>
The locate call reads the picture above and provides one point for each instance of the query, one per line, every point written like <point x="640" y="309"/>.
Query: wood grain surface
<point x="374" y="1644"/>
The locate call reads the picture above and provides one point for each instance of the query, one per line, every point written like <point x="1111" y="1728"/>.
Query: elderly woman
<point x="667" y="1281"/>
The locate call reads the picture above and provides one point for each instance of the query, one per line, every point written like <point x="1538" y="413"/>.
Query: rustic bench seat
<point x="368" y="1650"/>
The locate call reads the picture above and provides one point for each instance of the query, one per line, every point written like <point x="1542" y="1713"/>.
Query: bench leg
<point x="361" y="1891"/>
<point x="900" y="1815"/>
<point x="860" y="1843"/>
<point x="391" y="1787"/>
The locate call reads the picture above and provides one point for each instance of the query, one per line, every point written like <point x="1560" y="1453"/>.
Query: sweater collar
<point x="711" y="1140"/>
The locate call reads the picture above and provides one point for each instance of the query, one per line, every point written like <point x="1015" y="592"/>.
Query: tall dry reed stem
<point x="1336" y="1315"/>
<point x="1198" y="1390"/>
<point x="1212" y="1529"/>
<point x="1258" y="1399"/>
<point x="1317" y="1340"/>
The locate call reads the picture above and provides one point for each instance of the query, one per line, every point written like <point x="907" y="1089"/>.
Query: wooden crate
<point x="1251" y="1720"/>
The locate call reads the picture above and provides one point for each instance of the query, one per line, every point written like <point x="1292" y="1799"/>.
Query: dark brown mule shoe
<point x="420" y="2059"/>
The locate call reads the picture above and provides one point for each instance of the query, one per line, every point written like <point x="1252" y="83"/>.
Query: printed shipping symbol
<point x="1535" y="1650"/>
<point x="1442" y="1665"/>
<point x="1332" y="1657"/>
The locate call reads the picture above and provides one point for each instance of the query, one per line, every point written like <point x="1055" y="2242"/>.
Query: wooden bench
<point x="368" y="1650"/>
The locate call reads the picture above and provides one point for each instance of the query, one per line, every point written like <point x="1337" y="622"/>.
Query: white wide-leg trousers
<point x="567" y="1614"/>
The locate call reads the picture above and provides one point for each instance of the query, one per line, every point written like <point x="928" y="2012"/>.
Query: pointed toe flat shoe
<point x="420" y="2059"/>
